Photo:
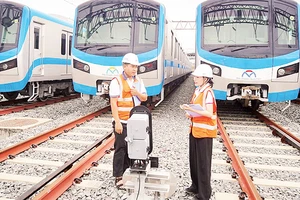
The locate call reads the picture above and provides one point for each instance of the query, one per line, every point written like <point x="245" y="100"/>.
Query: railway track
<point x="50" y="154"/>
<point x="59" y="149"/>
<point x="264" y="166"/>
<point x="7" y="107"/>
<point x="272" y="164"/>
<point x="296" y="101"/>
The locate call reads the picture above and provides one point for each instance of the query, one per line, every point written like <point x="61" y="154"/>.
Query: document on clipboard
<point x="195" y="107"/>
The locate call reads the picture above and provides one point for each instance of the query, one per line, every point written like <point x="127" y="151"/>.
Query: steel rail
<point x="285" y="138"/>
<point x="10" y="102"/>
<point x="63" y="168"/>
<point x="35" y="104"/>
<point x="243" y="178"/>
<point x="60" y="185"/>
<point x="10" y="152"/>
<point x="296" y="101"/>
<point x="270" y="123"/>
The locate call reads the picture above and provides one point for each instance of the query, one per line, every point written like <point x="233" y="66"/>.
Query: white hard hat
<point x="131" y="58"/>
<point x="203" y="70"/>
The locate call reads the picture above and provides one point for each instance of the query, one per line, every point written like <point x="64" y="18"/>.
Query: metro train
<point x="105" y="30"/>
<point x="252" y="47"/>
<point x="35" y="53"/>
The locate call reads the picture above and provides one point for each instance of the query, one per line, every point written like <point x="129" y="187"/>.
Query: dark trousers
<point x="200" y="165"/>
<point x="120" y="160"/>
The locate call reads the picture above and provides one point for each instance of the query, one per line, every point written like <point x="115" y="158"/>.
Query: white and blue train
<point x="35" y="53"/>
<point x="105" y="30"/>
<point x="253" y="48"/>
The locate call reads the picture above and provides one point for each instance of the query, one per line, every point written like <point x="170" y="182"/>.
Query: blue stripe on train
<point x="151" y="91"/>
<point x="242" y="63"/>
<point x="15" y="86"/>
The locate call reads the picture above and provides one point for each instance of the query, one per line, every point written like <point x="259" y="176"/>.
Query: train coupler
<point x="250" y="92"/>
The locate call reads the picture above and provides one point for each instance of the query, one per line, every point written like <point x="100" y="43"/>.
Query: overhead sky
<point x="176" y="10"/>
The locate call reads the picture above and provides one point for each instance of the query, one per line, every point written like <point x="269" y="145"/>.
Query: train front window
<point x="105" y="24"/>
<point x="113" y="29"/>
<point x="147" y="24"/>
<point x="10" y="18"/>
<point x="285" y="18"/>
<point x="236" y="23"/>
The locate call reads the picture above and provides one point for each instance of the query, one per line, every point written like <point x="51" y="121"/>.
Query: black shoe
<point x="191" y="190"/>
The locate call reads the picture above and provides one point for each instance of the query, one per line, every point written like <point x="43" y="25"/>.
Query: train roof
<point x="90" y="2"/>
<point x="53" y="18"/>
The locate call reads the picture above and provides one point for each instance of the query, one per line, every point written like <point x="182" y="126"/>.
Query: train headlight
<point x="142" y="69"/>
<point x="8" y="65"/>
<point x="216" y="71"/>
<point x="5" y="66"/>
<point x="81" y="66"/>
<point x="86" y="68"/>
<point x="288" y="70"/>
<point x="147" y="67"/>
<point x="281" y="72"/>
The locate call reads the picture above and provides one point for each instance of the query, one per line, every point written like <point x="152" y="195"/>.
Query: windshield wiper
<point x="107" y="47"/>
<point x="216" y="49"/>
<point x="101" y="47"/>
<point x="246" y="47"/>
<point x="88" y="47"/>
<point x="219" y="48"/>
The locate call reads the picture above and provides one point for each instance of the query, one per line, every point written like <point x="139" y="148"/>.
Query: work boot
<point x="191" y="190"/>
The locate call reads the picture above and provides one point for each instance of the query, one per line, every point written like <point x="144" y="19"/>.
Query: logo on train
<point x="112" y="71"/>
<point x="249" y="74"/>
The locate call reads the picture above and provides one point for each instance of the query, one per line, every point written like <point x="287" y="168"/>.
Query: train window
<point x="9" y="27"/>
<point x="70" y="44"/>
<point x="285" y="23"/>
<point x="147" y="23"/>
<point x="172" y="44"/>
<point x="63" y="44"/>
<point x="103" y="24"/>
<point x="236" y="23"/>
<point x="176" y="49"/>
<point x="36" y="38"/>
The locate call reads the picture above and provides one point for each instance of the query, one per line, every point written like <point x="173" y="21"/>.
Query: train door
<point x="285" y="40"/>
<point x="36" y="46"/>
<point x="66" y="42"/>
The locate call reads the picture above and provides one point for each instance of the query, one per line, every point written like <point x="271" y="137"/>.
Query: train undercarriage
<point x="41" y="90"/>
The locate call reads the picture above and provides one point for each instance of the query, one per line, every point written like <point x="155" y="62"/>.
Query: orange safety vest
<point x="204" y="127"/>
<point x="125" y="100"/>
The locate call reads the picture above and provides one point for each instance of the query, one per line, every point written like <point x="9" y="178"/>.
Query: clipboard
<point x="195" y="107"/>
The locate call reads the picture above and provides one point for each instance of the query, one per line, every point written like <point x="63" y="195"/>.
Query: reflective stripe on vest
<point x="125" y="101"/>
<point x="124" y="109"/>
<point x="204" y="126"/>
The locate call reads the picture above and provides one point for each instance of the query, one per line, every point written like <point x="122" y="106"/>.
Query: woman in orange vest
<point x="203" y="130"/>
<point x="126" y="91"/>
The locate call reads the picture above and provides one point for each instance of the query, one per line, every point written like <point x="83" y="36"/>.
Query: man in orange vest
<point x="203" y="130"/>
<point x="125" y="91"/>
